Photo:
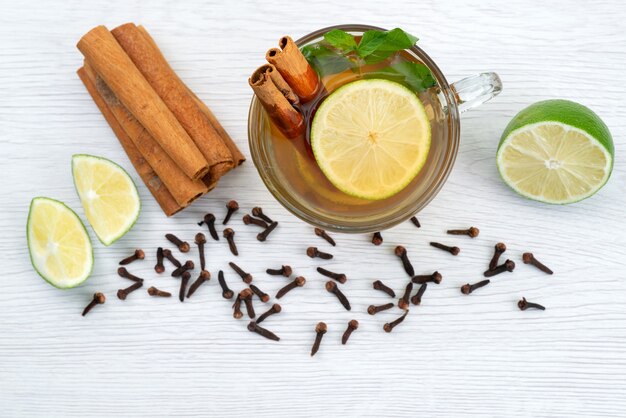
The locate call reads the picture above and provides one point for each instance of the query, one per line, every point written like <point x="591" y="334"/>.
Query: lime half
<point x="371" y="138"/>
<point x="556" y="151"/>
<point x="59" y="246"/>
<point x="108" y="195"/>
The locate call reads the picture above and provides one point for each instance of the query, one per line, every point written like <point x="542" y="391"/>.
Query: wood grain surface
<point x="454" y="355"/>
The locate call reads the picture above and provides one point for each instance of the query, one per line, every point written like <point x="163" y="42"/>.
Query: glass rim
<point x="395" y="217"/>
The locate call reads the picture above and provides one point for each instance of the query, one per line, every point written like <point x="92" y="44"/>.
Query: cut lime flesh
<point x="58" y="243"/>
<point x="370" y="138"/>
<point x="556" y="152"/>
<point x="108" y="195"/>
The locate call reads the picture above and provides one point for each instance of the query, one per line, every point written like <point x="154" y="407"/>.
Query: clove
<point x="182" y="269"/>
<point x="229" y="234"/>
<point x="263" y="297"/>
<point x="340" y="277"/>
<point x="417" y="298"/>
<point x="183" y="246"/>
<point x="373" y="309"/>
<point x="377" y="238"/>
<point x="427" y="278"/>
<point x="529" y="258"/>
<point x="122" y="272"/>
<point x="389" y="326"/>
<point x="237" y="314"/>
<point x="159" y="267"/>
<point x="297" y="282"/>
<point x="523" y="304"/>
<point x="320" y="330"/>
<point x="271" y="311"/>
<point x="352" y="326"/>
<point x="200" y="240"/>
<point x="451" y="250"/>
<point x="98" y="299"/>
<point x="209" y="220"/>
<point x="401" y="252"/>
<point x="231" y="208"/>
<point x="254" y="327"/>
<point x="323" y="234"/>
<point x="137" y="255"/>
<point x="403" y="302"/>
<point x="333" y="288"/>
<point x="283" y="271"/>
<point x="247" y="220"/>
<point x="378" y="285"/>
<point x="263" y="235"/>
<point x="416" y="222"/>
<point x="246" y="277"/>
<point x="314" y="252"/>
<point x="204" y="276"/>
<point x="471" y="232"/>
<point x="153" y="291"/>
<point x="499" y="249"/>
<point x="184" y="280"/>
<point x="508" y="265"/>
<point x="466" y="289"/>
<point x="246" y="297"/>
<point x="168" y="254"/>
<point x="123" y="293"/>
<point x="226" y="292"/>
<point x="258" y="212"/>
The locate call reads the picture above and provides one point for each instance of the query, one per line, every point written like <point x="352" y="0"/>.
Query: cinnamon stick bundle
<point x="182" y="188"/>
<point x="238" y="157"/>
<point x="127" y="83"/>
<point x="276" y="97"/>
<point x="174" y="141"/>
<point x="294" y="68"/>
<point x="148" y="58"/>
<point x="163" y="197"/>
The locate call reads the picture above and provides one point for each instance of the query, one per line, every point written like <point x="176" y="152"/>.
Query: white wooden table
<point x="454" y="355"/>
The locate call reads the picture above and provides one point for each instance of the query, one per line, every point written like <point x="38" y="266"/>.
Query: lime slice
<point x="108" y="195"/>
<point x="59" y="246"/>
<point x="556" y="151"/>
<point x="371" y="138"/>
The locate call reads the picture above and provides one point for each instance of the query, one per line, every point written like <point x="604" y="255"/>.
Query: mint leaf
<point x="370" y="42"/>
<point x="415" y="75"/>
<point x="341" y="40"/>
<point x="324" y="60"/>
<point x="397" y="40"/>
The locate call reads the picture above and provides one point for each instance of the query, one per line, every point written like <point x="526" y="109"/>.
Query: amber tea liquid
<point x="293" y="160"/>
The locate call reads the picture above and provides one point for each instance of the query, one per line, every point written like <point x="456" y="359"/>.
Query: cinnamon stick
<point x="152" y="181"/>
<point x="294" y="68"/>
<point x="117" y="70"/>
<point x="238" y="156"/>
<point x="157" y="71"/>
<point x="275" y="102"/>
<point x="183" y="189"/>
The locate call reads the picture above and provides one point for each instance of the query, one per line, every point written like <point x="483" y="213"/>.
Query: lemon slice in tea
<point x="108" y="195"/>
<point x="370" y="138"/>
<point x="556" y="151"/>
<point x="59" y="246"/>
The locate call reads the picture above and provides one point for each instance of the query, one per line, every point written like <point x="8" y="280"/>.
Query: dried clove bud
<point x="231" y="207"/>
<point x="137" y="255"/>
<point x="98" y="299"/>
<point x="246" y="277"/>
<point x="323" y="234"/>
<point x="183" y="246"/>
<point x="314" y="252"/>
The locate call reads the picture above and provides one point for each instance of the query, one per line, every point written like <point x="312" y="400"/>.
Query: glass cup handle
<point x="476" y="90"/>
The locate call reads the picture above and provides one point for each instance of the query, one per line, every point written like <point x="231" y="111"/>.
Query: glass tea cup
<point x="298" y="184"/>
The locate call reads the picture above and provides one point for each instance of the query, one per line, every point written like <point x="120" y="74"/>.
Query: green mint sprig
<point x="340" y="51"/>
<point x="374" y="46"/>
